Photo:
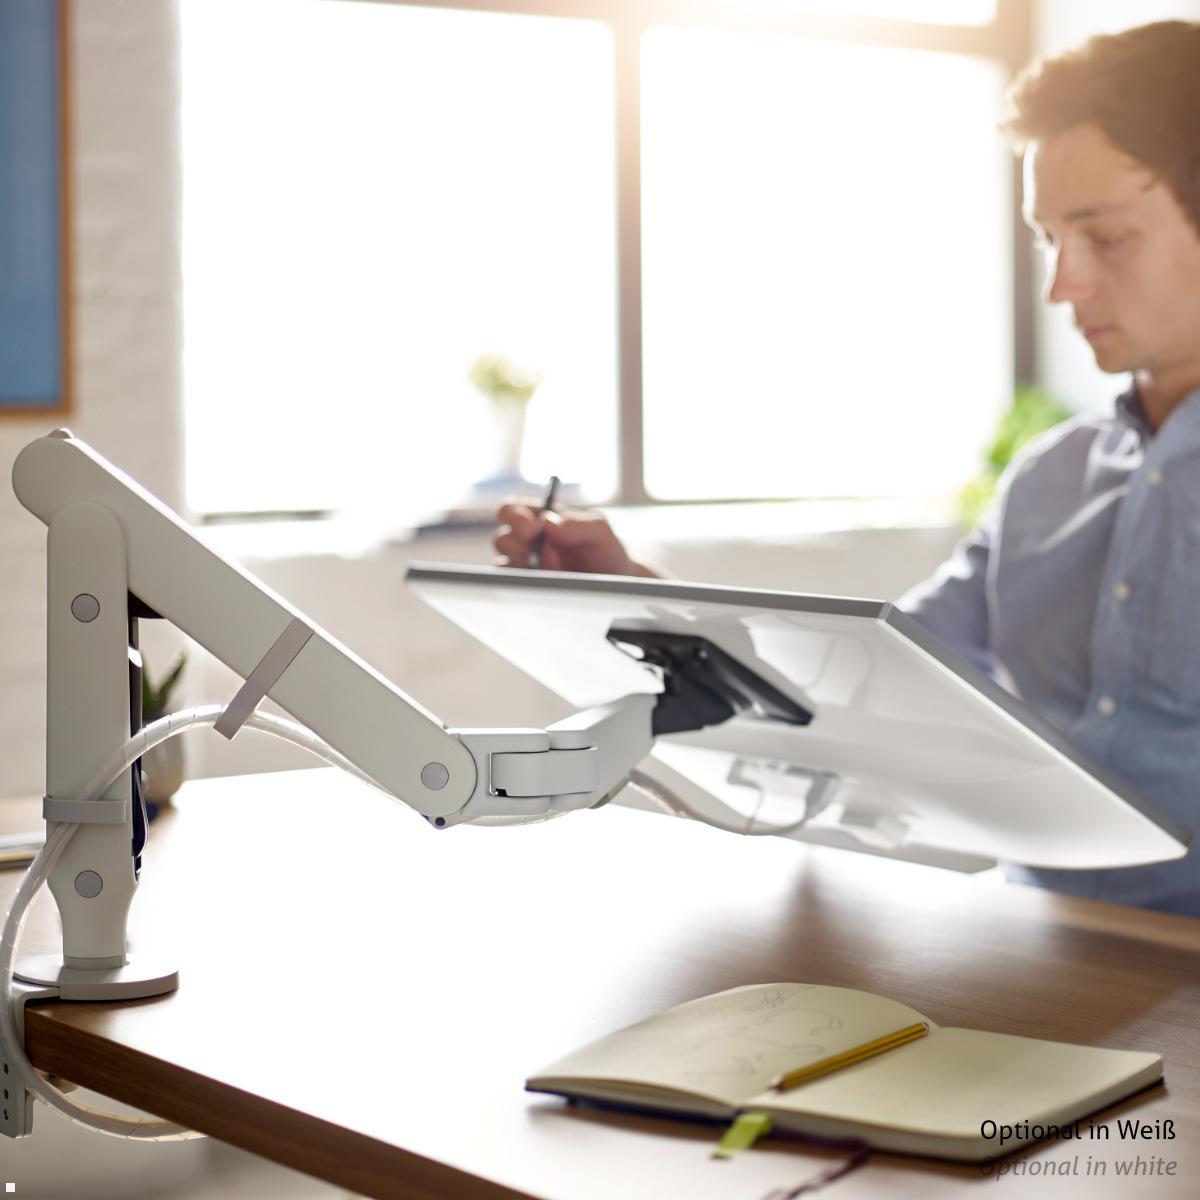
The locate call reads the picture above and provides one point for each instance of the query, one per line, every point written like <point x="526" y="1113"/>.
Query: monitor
<point x="904" y="748"/>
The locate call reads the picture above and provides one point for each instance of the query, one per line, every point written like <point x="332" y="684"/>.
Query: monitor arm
<point x="116" y="553"/>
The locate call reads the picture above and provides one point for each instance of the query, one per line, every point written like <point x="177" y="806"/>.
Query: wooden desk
<point x="362" y="996"/>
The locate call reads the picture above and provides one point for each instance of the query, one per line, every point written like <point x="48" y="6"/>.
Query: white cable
<point x="27" y="1076"/>
<point x="671" y="802"/>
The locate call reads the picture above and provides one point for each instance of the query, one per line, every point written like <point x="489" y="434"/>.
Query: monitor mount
<point x="117" y="555"/>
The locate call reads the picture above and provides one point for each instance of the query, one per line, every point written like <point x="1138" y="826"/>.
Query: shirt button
<point x="1121" y="590"/>
<point x="1154" y="477"/>
<point x="1106" y="706"/>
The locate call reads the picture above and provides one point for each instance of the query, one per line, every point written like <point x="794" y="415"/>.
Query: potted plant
<point x="163" y="765"/>
<point x="1032" y="411"/>
<point x="508" y="389"/>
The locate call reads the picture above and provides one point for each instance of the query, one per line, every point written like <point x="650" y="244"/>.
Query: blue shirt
<point x="1081" y="593"/>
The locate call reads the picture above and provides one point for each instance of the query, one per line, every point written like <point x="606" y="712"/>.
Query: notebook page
<point x="730" y="1046"/>
<point x="949" y="1083"/>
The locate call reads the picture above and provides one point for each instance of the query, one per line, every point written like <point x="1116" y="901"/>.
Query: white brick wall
<point x="124" y="181"/>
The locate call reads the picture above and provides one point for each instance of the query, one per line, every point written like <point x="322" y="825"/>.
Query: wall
<point x="124" y="295"/>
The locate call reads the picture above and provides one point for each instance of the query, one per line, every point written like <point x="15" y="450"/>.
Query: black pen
<point x="535" y="551"/>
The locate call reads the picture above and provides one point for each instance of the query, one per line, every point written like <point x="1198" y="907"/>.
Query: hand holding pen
<point x="542" y="537"/>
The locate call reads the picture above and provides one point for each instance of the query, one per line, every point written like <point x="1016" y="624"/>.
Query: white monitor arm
<point x="116" y="552"/>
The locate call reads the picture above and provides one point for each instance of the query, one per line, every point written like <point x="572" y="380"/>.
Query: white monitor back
<point x="912" y="752"/>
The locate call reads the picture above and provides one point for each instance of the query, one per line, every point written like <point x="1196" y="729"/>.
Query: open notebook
<point x="857" y="1066"/>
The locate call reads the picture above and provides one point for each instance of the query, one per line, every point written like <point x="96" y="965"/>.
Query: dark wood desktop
<point x="362" y="996"/>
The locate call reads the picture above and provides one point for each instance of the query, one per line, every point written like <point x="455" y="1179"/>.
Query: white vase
<point x="508" y="434"/>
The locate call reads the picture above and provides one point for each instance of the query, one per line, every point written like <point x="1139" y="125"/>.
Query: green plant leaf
<point x="157" y="698"/>
<point x="1031" y="413"/>
<point x="501" y="381"/>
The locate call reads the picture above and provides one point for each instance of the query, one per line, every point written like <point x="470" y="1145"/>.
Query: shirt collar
<point x="1129" y="412"/>
<point x="1179" y="433"/>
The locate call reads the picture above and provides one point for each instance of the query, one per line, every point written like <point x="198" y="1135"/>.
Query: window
<point x="934" y="12"/>
<point x="375" y="195"/>
<point x="774" y="259"/>
<point x="826" y="245"/>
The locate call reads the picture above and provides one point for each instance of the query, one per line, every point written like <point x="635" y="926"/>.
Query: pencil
<point x="791" y="1079"/>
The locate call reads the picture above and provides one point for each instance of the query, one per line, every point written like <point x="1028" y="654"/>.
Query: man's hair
<point x="1141" y="87"/>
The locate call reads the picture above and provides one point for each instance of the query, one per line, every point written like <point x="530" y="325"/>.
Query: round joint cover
<point x="88" y="884"/>
<point x="435" y="776"/>
<point x="85" y="607"/>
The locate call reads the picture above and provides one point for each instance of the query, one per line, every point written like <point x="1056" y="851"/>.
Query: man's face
<point x="1119" y="250"/>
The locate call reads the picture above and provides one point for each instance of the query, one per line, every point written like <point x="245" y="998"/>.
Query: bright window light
<point x="928" y="12"/>
<point x="374" y="196"/>
<point x="826" y="266"/>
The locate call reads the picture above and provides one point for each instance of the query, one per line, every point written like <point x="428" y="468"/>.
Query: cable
<point x="670" y="801"/>
<point x="58" y="836"/>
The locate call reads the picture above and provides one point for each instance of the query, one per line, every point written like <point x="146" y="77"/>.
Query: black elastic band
<point x="858" y="1156"/>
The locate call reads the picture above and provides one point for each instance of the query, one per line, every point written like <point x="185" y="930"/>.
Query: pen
<point x="535" y="551"/>
<point x="791" y="1079"/>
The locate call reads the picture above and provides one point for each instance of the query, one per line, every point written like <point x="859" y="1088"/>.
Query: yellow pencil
<point x="801" y="1075"/>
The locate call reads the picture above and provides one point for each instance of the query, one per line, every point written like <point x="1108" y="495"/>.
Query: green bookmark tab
<point x="746" y="1129"/>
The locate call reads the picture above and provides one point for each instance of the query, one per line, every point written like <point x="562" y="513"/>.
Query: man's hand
<point x="573" y="541"/>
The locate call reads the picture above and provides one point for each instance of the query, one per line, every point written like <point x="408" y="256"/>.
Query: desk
<point x="362" y="995"/>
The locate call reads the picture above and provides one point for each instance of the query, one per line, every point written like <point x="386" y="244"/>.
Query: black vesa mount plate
<point x="702" y="684"/>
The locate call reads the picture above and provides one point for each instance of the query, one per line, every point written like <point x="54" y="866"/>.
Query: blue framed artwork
<point x="34" y="333"/>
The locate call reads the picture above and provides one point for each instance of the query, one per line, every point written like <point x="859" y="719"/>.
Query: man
<point x="1080" y="589"/>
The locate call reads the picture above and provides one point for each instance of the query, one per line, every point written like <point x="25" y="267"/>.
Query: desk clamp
<point x="16" y="1105"/>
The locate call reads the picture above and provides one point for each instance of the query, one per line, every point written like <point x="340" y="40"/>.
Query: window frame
<point x="1008" y="39"/>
